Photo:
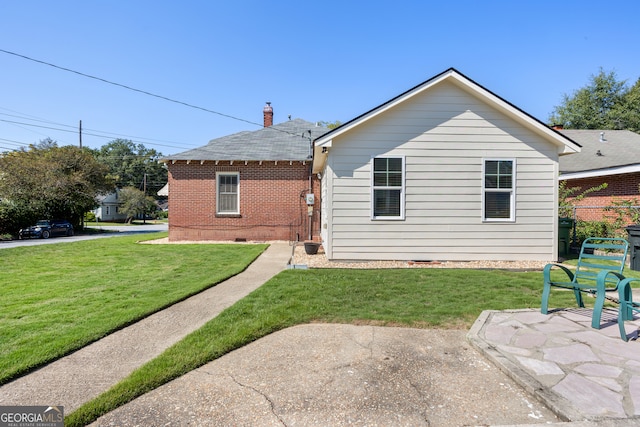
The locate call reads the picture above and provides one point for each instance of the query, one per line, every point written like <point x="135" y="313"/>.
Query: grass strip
<point x="424" y="298"/>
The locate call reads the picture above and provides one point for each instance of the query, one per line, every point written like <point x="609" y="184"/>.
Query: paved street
<point x="110" y="231"/>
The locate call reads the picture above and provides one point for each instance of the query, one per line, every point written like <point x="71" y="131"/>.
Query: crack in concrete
<point x="271" y="403"/>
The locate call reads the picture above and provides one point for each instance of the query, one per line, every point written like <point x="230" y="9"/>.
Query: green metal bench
<point x="599" y="270"/>
<point x="627" y="305"/>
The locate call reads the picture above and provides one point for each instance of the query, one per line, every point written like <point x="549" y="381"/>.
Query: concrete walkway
<point x="83" y="375"/>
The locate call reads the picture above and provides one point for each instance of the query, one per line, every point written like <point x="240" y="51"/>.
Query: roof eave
<point x="594" y="173"/>
<point x="565" y="144"/>
<point x="170" y="160"/>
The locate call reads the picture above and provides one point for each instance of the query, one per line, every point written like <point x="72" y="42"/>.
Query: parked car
<point x="47" y="228"/>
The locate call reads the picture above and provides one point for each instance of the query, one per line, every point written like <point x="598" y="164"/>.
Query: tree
<point x="134" y="202"/>
<point x="630" y="110"/>
<point x="331" y="125"/>
<point x="605" y="103"/>
<point x="47" y="181"/>
<point x="133" y="165"/>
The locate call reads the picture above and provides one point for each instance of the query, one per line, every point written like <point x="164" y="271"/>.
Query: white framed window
<point x="498" y="190"/>
<point x="228" y="193"/>
<point x="387" y="188"/>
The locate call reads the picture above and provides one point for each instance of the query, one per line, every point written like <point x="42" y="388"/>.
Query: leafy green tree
<point x="134" y="202"/>
<point x="630" y="109"/>
<point x="47" y="181"/>
<point x="133" y="165"/>
<point x="331" y="125"/>
<point x="605" y="103"/>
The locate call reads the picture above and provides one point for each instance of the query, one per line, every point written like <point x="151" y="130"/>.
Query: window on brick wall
<point x="228" y="193"/>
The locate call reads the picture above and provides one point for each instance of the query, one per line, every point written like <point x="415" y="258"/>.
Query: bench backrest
<point x="598" y="254"/>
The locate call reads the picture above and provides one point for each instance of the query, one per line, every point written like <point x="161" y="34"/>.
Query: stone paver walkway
<point x="580" y="372"/>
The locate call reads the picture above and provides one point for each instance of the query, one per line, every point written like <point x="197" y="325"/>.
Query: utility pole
<point x="80" y="133"/>
<point x="144" y="190"/>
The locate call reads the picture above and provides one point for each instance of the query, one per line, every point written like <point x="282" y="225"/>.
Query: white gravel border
<point x="301" y="260"/>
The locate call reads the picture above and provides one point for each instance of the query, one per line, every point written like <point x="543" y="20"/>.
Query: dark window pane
<point x="386" y="203"/>
<point x="497" y="205"/>
<point x="491" y="167"/>
<point x="394" y="164"/>
<point x="491" y="181"/>
<point x="505" y="167"/>
<point x="380" y="165"/>
<point x="394" y="179"/>
<point x="380" y="179"/>
<point x="505" y="182"/>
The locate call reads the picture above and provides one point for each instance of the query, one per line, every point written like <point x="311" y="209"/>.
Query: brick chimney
<point x="268" y="115"/>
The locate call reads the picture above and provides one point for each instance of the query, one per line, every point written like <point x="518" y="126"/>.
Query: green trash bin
<point x="634" y="246"/>
<point x="564" y="235"/>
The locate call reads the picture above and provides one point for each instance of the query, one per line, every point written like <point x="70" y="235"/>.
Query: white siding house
<point x="109" y="208"/>
<point x="445" y="171"/>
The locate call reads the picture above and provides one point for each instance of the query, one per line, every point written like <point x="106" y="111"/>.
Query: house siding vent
<point x="268" y="115"/>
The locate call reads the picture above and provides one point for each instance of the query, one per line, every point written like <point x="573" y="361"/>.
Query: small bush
<point x="586" y="229"/>
<point x="90" y="217"/>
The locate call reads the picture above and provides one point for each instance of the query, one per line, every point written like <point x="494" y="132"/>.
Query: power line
<point x="129" y="87"/>
<point x="152" y="141"/>
<point x="140" y="91"/>
<point x="84" y="132"/>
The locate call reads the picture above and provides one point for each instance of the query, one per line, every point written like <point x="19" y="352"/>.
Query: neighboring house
<point x="247" y="186"/>
<point x="607" y="156"/>
<point x="445" y="171"/>
<point x="108" y="208"/>
<point x="164" y="191"/>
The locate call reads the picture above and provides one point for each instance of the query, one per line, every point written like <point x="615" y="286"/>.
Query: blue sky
<point x="316" y="60"/>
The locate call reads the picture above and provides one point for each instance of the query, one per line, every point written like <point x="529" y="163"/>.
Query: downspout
<point x="310" y="185"/>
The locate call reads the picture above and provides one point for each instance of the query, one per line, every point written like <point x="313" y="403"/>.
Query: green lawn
<point x="420" y="298"/>
<point x="70" y="294"/>
<point x="57" y="298"/>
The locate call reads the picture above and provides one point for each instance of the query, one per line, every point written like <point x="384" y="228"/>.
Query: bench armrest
<point x="601" y="280"/>
<point x="547" y="272"/>
<point x="624" y="288"/>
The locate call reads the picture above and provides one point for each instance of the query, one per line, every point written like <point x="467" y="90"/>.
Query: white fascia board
<point x="320" y="154"/>
<point x="600" y="172"/>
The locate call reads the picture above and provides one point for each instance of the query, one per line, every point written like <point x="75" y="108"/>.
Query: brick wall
<point x="620" y="187"/>
<point x="272" y="203"/>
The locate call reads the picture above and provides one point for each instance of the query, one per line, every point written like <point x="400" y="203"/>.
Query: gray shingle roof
<point x="620" y="148"/>
<point x="284" y="141"/>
